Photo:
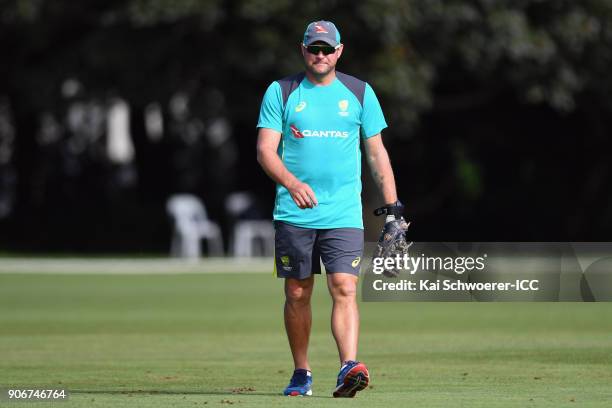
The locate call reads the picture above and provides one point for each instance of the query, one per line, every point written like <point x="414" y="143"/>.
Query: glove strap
<point x="396" y="209"/>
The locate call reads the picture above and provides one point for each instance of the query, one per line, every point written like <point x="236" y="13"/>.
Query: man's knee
<point x="343" y="288"/>
<point x="298" y="291"/>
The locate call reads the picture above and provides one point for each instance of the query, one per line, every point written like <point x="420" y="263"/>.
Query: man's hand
<point x="302" y="194"/>
<point x="267" y="156"/>
<point x="392" y="241"/>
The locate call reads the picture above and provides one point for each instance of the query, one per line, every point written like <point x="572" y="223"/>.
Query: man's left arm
<point x="380" y="167"/>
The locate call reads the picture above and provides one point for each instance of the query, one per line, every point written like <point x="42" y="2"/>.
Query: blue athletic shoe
<point x="353" y="377"/>
<point x="300" y="384"/>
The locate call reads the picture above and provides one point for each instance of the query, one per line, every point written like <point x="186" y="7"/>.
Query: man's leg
<point x="345" y="314"/>
<point x="298" y="318"/>
<point x="353" y="375"/>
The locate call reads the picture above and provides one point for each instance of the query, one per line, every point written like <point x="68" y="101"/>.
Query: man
<point x="309" y="132"/>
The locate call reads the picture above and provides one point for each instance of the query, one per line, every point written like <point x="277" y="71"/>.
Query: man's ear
<point x="340" y="50"/>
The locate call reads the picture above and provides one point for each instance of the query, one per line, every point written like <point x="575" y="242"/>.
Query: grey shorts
<point x="298" y="251"/>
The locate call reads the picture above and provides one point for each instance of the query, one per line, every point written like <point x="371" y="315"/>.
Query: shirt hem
<point x="264" y="126"/>
<point x="320" y="226"/>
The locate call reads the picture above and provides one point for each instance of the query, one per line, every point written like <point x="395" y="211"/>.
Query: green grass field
<point x="213" y="339"/>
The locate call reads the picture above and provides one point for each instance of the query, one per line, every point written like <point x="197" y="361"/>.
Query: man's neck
<point x="321" y="79"/>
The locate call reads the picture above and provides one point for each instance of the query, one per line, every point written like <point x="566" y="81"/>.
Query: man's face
<point x="321" y="64"/>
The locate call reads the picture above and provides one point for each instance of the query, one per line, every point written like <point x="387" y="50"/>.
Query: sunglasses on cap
<point x="325" y="49"/>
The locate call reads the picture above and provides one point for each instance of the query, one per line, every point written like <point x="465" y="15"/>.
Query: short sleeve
<point x="271" y="112"/>
<point x="372" y="118"/>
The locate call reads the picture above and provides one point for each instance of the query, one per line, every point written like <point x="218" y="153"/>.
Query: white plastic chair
<point x="191" y="225"/>
<point x="246" y="231"/>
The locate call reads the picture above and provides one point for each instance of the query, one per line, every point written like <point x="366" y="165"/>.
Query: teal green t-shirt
<point x="321" y="128"/>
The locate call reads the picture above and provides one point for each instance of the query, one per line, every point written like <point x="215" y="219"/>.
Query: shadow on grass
<point x="186" y="392"/>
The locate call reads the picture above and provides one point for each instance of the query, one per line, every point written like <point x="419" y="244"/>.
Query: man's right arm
<point x="267" y="156"/>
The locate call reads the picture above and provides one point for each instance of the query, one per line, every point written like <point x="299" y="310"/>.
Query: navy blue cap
<point x="322" y="30"/>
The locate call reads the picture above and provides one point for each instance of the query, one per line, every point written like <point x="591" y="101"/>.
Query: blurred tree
<point x="488" y="101"/>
